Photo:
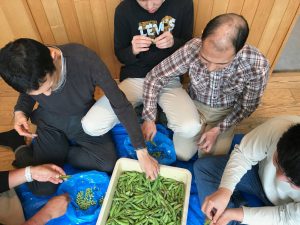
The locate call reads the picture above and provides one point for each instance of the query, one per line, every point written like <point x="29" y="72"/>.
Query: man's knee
<point x="185" y="156"/>
<point x="93" y="128"/>
<point x="109" y="165"/>
<point x="210" y="168"/>
<point x="102" y="160"/>
<point x="106" y="165"/>
<point x="201" y="165"/>
<point x="189" y="129"/>
<point x="45" y="188"/>
<point x="204" y="166"/>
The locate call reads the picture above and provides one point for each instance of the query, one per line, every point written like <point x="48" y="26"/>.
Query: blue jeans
<point x="208" y="173"/>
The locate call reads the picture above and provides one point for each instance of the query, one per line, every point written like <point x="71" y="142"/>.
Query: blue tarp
<point x="31" y="204"/>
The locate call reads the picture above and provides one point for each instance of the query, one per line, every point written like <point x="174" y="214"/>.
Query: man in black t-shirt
<point x="145" y="33"/>
<point x="62" y="80"/>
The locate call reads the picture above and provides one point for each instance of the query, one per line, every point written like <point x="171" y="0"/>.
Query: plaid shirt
<point x="239" y="85"/>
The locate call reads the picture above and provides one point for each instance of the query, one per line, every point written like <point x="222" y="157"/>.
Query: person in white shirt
<point x="265" y="164"/>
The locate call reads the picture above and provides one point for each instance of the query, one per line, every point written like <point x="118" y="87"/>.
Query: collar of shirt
<point x="63" y="75"/>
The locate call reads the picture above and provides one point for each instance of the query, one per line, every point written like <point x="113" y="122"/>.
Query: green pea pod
<point x="207" y="221"/>
<point x="64" y="177"/>
<point x="153" y="143"/>
<point x="121" y="222"/>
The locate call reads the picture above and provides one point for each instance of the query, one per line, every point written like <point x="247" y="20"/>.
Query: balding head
<point x="226" y="31"/>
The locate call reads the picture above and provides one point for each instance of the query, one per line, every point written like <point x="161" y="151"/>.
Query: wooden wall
<point x="90" y="22"/>
<point x="269" y="20"/>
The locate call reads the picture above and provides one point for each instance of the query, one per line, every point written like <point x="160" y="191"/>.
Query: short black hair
<point x="288" y="154"/>
<point x="240" y="30"/>
<point x="24" y="64"/>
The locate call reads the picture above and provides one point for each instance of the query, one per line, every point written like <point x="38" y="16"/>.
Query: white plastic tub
<point x="125" y="164"/>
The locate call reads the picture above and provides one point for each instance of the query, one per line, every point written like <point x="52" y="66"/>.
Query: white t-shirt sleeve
<point x="287" y="214"/>
<point x="253" y="148"/>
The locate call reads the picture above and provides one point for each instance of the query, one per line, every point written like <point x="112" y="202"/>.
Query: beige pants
<point x="11" y="212"/>
<point x="182" y="115"/>
<point x="213" y="116"/>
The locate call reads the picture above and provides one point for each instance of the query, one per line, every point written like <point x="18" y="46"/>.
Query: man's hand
<point x="149" y="129"/>
<point x="208" y="139"/>
<point x="236" y="214"/>
<point x="148" y="164"/>
<point x="140" y="44"/>
<point x="47" y="172"/>
<point x="215" y="204"/>
<point x="165" y="40"/>
<point x="21" y="125"/>
<point x="55" y="207"/>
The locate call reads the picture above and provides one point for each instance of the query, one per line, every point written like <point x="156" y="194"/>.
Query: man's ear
<point x="53" y="54"/>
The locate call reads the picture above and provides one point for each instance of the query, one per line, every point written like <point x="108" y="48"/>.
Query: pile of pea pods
<point x="139" y="201"/>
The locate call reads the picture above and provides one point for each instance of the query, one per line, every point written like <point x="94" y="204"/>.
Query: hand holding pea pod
<point x="148" y="164"/>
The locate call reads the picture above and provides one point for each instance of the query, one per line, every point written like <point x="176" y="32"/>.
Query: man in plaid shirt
<point x="227" y="80"/>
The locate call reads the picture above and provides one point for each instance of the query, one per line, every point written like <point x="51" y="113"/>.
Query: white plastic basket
<point x="125" y="164"/>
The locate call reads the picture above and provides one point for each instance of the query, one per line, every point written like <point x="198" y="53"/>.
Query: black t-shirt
<point x="176" y="16"/>
<point x="4" y="181"/>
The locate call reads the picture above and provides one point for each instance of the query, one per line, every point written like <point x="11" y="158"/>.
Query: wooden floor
<point x="282" y="97"/>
